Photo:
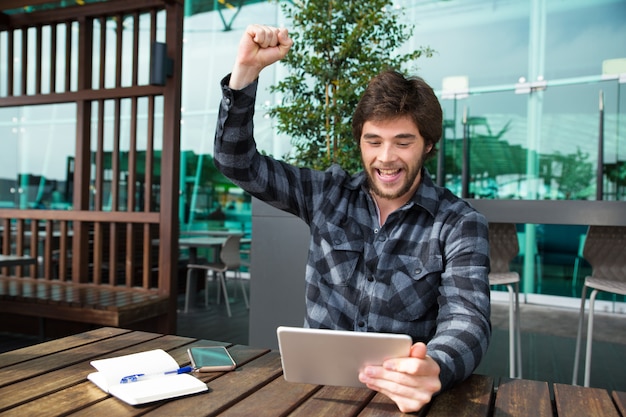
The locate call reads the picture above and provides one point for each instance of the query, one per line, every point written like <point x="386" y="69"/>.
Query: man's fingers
<point x="266" y="38"/>
<point x="284" y="41"/>
<point x="418" y="350"/>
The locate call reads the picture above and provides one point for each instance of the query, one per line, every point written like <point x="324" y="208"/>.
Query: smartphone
<point x="210" y="359"/>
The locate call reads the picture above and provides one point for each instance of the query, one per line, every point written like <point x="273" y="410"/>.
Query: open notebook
<point x="144" y="377"/>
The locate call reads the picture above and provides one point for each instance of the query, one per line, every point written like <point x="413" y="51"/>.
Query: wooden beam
<point x="18" y="4"/>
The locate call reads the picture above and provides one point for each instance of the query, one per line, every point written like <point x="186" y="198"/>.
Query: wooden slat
<point x="277" y="398"/>
<point x="58" y="345"/>
<point x="472" y="398"/>
<point x="53" y="58"/>
<point x="129" y="255"/>
<point x="113" y="255"/>
<point x="24" y="63"/>
<point x="340" y="401"/>
<point x="48" y="250"/>
<point x="64" y="248"/>
<point x="620" y="401"/>
<point x="579" y="401"/>
<point x="80" y="216"/>
<point x="68" y="57"/>
<point x="98" y="252"/>
<point x="38" y="56"/>
<point x="523" y="398"/>
<point x="381" y="406"/>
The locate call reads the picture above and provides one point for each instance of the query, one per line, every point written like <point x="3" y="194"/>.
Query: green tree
<point x="339" y="45"/>
<point x="575" y="181"/>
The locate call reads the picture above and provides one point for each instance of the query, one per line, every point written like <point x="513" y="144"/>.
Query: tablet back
<point x="335" y="357"/>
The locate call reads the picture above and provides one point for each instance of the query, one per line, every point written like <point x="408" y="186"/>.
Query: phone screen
<point x="207" y="359"/>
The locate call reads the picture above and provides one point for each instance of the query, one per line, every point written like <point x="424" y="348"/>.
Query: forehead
<point x="390" y="127"/>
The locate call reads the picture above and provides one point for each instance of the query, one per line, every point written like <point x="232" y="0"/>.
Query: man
<point x="389" y="251"/>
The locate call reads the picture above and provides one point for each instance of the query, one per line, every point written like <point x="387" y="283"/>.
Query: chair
<point x="229" y="260"/>
<point x="504" y="246"/>
<point x="605" y="250"/>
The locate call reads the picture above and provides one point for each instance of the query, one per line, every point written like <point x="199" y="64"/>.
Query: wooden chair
<point x="605" y="250"/>
<point x="504" y="246"/>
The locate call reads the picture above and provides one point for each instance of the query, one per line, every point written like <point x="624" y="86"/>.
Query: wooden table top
<point x="51" y="379"/>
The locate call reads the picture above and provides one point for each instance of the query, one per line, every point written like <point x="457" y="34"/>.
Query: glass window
<point x="37" y="148"/>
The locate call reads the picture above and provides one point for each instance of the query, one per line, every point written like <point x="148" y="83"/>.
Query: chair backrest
<point x="503" y="246"/>
<point x="230" y="253"/>
<point x="605" y="250"/>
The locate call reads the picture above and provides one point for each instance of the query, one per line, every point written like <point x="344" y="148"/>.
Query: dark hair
<point x="390" y="95"/>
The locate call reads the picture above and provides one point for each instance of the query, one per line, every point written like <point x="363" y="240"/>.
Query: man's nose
<point x="387" y="153"/>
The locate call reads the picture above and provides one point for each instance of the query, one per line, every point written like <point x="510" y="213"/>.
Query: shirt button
<point x="337" y="241"/>
<point x="418" y="271"/>
<point x="370" y="278"/>
<point x="382" y="238"/>
<point x="361" y="323"/>
<point x="375" y="231"/>
<point x="227" y="101"/>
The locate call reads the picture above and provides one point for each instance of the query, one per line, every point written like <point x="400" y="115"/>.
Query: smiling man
<point x="389" y="251"/>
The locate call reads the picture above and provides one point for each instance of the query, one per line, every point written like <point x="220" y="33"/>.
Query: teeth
<point x="388" y="171"/>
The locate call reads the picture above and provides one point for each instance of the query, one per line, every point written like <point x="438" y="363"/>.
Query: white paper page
<point x="112" y="370"/>
<point x="149" y="390"/>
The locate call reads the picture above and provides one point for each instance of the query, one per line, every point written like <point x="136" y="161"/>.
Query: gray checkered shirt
<point x="423" y="273"/>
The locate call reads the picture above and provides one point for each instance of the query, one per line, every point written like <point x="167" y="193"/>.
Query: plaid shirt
<point x="422" y="273"/>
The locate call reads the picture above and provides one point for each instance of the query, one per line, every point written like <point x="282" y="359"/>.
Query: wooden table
<point x="50" y="379"/>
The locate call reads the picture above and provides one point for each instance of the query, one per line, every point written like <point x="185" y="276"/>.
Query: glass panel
<point x="569" y="139"/>
<point x="113" y="145"/>
<point x="495" y="127"/>
<point x="38" y="146"/>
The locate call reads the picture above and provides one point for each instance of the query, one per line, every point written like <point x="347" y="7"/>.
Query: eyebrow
<point x="398" y="136"/>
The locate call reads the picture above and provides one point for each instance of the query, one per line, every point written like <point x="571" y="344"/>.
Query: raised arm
<point x="260" y="46"/>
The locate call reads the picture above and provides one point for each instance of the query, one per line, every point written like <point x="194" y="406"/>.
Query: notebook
<point x="335" y="357"/>
<point x="157" y="382"/>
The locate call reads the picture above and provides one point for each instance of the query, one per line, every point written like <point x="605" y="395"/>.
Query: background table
<point x="16" y="260"/>
<point x="51" y="379"/>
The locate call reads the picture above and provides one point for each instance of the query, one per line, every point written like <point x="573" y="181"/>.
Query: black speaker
<point x="161" y="65"/>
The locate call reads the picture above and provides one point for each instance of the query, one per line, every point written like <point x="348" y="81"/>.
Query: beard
<point x="412" y="173"/>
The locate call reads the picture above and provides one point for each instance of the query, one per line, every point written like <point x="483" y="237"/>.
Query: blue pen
<point x="139" y="377"/>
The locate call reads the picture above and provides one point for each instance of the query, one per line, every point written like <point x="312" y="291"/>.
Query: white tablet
<point x="335" y="357"/>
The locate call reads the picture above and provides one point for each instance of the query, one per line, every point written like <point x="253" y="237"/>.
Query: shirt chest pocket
<point x="413" y="287"/>
<point x="339" y="255"/>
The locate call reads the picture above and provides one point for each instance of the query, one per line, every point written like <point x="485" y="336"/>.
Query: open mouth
<point x="389" y="175"/>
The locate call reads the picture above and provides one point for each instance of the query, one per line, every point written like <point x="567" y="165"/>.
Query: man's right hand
<point x="260" y="46"/>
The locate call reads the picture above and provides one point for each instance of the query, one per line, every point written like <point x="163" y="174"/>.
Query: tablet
<point x="335" y="357"/>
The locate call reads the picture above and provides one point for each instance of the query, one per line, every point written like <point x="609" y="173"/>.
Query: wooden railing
<point x="106" y="62"/>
